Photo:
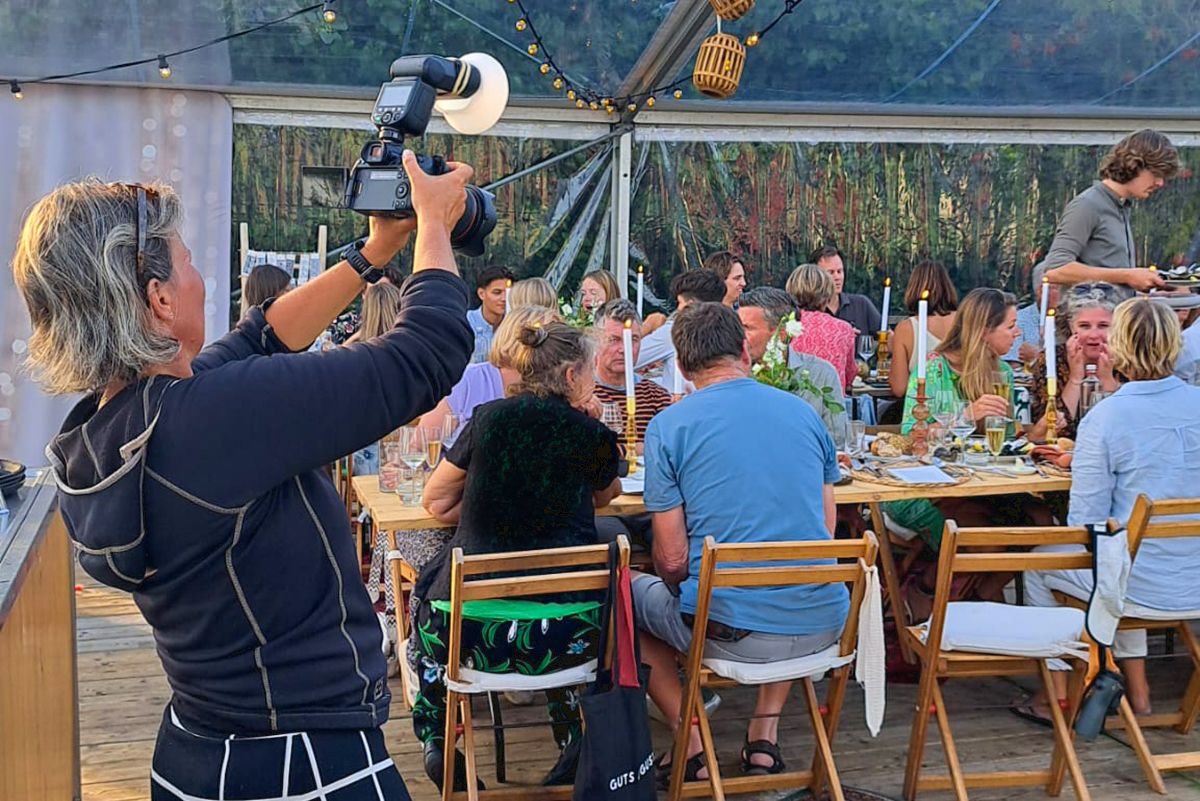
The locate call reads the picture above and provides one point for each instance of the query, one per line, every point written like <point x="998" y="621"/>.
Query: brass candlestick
<point x="1052" y="410"/>
<point x="919" y="433"/>
<point x="883" y="362"/>
<point x="631" y="434"/>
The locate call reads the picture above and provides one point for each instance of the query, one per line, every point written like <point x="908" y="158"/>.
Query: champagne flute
<point x="1001" y="386"/>
<point x="994" y="428"/>
<point x="433" y="444"/>
<point x="413" y="454"/>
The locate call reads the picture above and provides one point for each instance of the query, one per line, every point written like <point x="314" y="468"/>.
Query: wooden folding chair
<point x="461" y="684"/>
<point x="977" y="652"/>
<point x="749" y="565"/>
<point x="1147" y="522"/>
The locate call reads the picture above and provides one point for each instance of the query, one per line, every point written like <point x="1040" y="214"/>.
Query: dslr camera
<point x="471" y="93"/>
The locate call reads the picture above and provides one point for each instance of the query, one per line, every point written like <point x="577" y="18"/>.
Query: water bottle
<point x="1088" y="390"/>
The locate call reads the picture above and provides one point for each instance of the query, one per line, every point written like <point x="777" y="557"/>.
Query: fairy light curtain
<point x="52" y="136"/>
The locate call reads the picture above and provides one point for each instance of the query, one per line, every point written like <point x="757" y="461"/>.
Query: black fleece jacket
<point x="205" y="497"/>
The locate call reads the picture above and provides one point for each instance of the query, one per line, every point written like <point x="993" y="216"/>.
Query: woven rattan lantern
<point x="719" y="64"/>
<point x="730" y="10"/>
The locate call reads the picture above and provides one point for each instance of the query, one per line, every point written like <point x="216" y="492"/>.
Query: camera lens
<point x="477" y="221"/>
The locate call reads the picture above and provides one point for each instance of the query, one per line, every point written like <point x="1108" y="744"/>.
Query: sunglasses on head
<point x="141" y="224"/>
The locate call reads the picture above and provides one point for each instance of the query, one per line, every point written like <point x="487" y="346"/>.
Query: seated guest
<point x="824" y="336"/>
<point x="1142" y="440"/>
<point x="526" y="473"/>
<point x="729" y="269"/>
<point x="761" y="312"/>
<point x="741" y="462"/>
<point x="490" y="286"/>
<point x="609" y="330"/>
<point x="983" y="330"/>
<point x="858" y="310"/>
<point x="264" y="282"/>
<point x="694" y="286"/>
<point x="1081" y="323"/>
<point x="490" y="380"/>
<point x="597" y="288"/>
<point x="380" y="305"/>
<point x="533" y="292"/>
<point x="931" y="277"/>
<point x="1028" y="343"/>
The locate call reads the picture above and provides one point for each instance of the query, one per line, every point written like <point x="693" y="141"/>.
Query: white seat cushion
<point x="811" y="666"/>
<point x="984" y="627"/>
<point x="1146" y="613"/>
<point x="474" y="681"/>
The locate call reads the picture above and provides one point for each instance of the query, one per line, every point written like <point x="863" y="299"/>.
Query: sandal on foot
<point x="766" y="748"/>
<point x="691" y="771"/>
<point x="1030" y="713"/>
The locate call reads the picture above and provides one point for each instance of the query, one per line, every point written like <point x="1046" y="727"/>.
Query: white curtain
<point x="58" y="134"/>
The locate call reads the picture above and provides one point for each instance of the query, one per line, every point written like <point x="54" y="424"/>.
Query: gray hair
<point x="1088" y="295"/>
<point x="775" y="303"/>
<point x="76" y="268"/>
<point x="619" y="309"/>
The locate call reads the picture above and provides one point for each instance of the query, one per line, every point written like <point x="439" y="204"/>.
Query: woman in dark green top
<point x="527" y="472"/>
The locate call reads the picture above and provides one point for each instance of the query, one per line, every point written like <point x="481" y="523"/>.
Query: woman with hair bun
<point x="527" y="472"/>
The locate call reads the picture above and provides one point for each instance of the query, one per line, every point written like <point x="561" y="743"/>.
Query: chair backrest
<point x="564" y="572"/>
<point x="750" y="565"/>
<point x="986" y="550"/>
<point x="1146" y="521"/>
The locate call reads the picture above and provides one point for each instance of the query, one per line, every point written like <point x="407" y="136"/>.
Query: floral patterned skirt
<point x="532" y="647"/>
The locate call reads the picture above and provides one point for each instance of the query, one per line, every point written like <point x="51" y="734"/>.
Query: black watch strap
<point x="367" y="271"/>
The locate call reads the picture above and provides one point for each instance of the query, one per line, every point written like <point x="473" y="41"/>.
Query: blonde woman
<point x="983" y="331"/>
<point x="380" y="305"/>
<point x="533" y="292"/>
<point x="490" y="380"/>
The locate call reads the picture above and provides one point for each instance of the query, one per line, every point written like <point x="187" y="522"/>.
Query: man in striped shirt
<point x="610" y="365"/>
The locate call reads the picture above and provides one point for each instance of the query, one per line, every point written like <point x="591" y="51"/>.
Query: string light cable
<point x="326" y="7"/>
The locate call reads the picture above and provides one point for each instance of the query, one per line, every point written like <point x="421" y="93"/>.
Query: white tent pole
<point x="620" y="212"/>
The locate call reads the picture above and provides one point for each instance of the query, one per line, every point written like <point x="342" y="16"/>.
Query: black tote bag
<point x="616" y="756"/>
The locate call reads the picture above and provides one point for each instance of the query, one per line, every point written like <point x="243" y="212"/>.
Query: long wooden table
<point x="391" y="515"/>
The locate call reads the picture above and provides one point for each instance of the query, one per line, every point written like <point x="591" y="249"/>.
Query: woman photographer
<point x="194" y="478"/>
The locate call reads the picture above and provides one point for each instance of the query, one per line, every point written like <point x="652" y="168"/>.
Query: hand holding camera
<point x="438" y="199"/>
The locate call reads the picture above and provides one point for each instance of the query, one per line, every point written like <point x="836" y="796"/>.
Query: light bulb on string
<point x="752" y="40"/>
<point x="15" y="88"/>
<point x="570" y="94"/>
<point x="631" y="108"/>
<point x="329" y="13"/>
<point x="544" y="68"/>
<point x="532" y="49"/>
<point x="522" y="25"/>
<point x="164" y="69"/>
<point x="650" y="101"/>
<point x="580" y="104"/>
<point x="558" y="83"/>
<point x="678" y="94"/>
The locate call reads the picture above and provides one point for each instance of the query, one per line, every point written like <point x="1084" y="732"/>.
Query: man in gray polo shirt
<point x="1094" y="240"/>
<point x="858" y="310"/>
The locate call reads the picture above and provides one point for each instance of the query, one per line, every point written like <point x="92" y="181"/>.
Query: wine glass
<point x="613" y="416"/>
<point x="433" y="437"/>
<point x="866" y="344"/>
<point x="413" y="454"/>
<point x="963" y="424"/>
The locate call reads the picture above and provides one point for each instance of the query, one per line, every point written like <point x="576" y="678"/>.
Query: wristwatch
<point x="367" y="271"/>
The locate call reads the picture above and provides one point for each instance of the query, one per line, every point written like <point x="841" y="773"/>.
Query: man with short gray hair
<point x="738" y="461"/>
<point x="762" y="311"/>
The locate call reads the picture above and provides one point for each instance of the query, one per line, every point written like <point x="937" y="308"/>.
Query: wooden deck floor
<point x="122" y="692"/>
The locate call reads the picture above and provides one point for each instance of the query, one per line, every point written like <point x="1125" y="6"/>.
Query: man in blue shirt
<point x="741" y="462"/>
<point x="491" y="286"/>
